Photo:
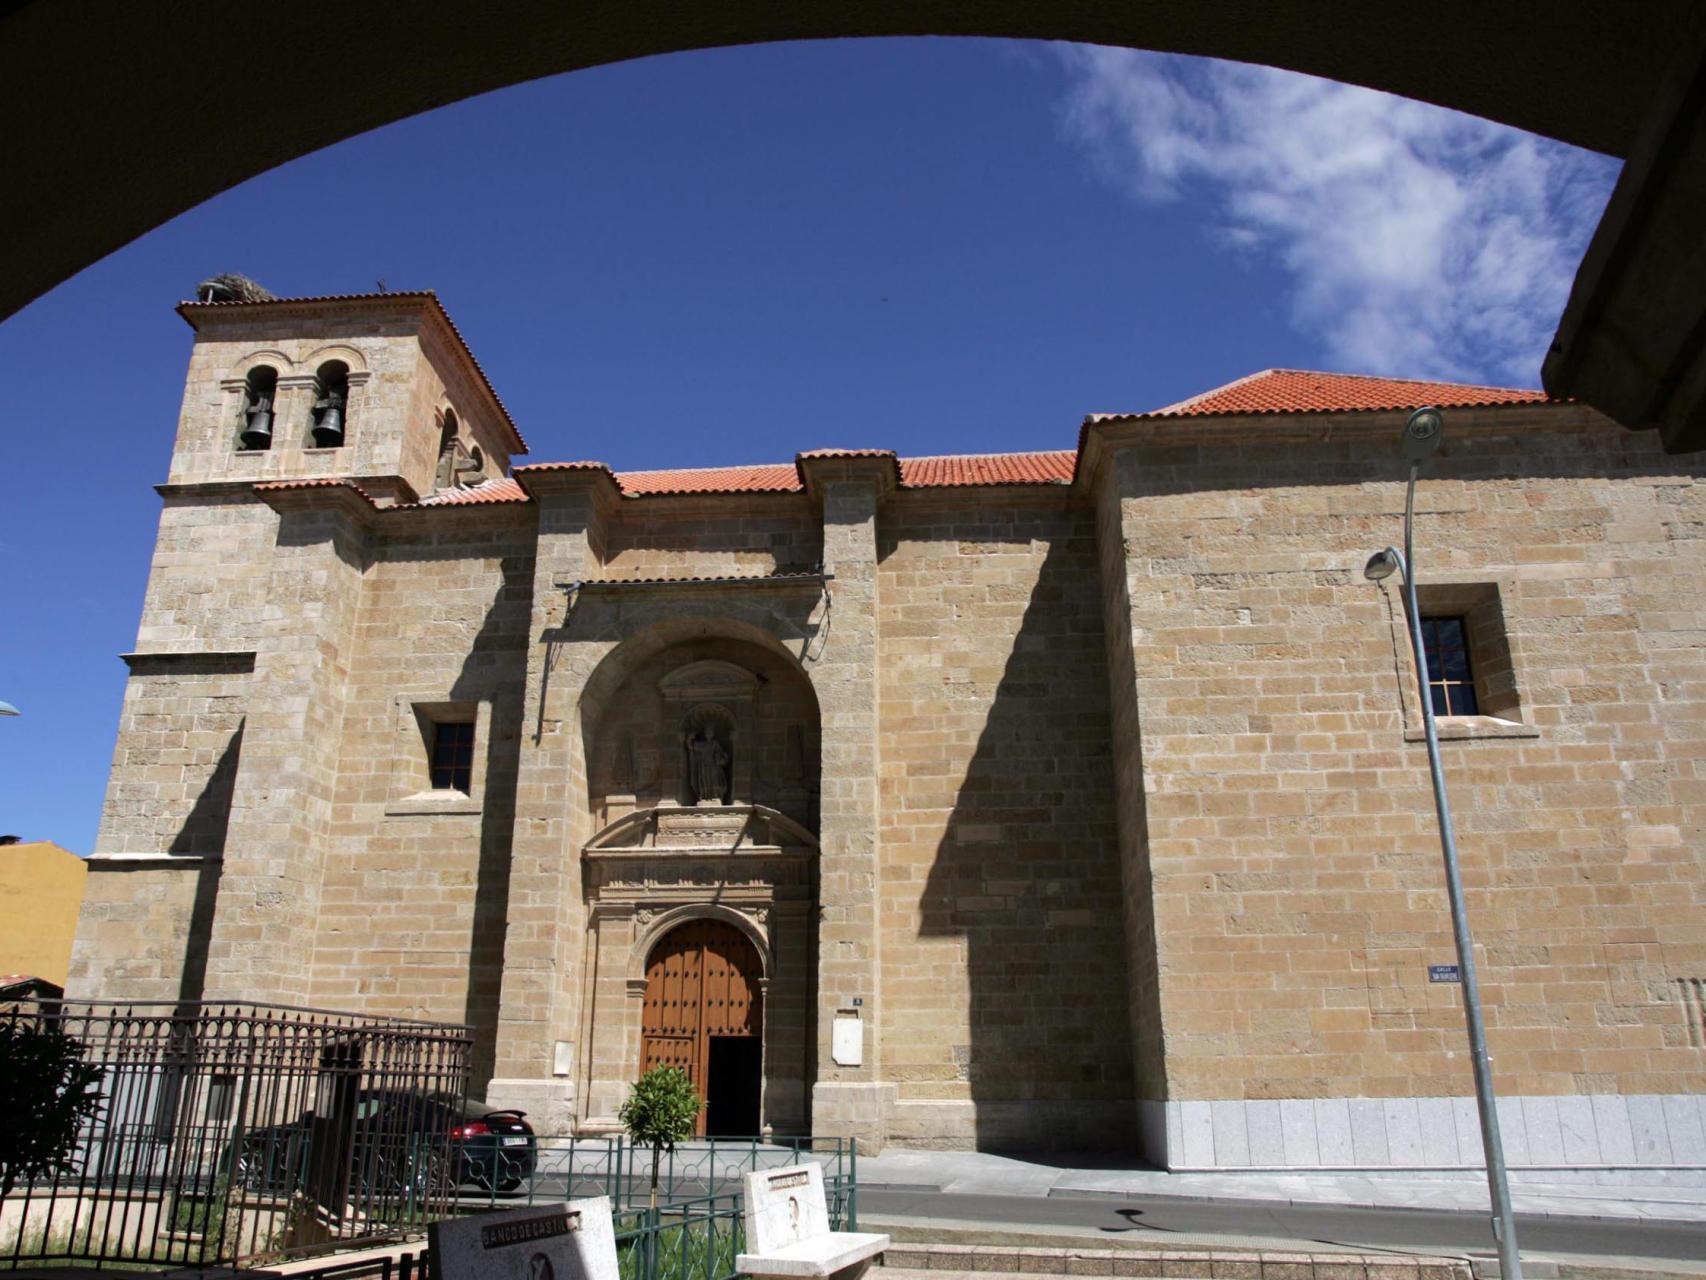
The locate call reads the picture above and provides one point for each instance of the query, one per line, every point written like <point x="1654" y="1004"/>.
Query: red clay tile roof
<point x="1272" y="391"/>
<point x="780" y="477"/>
<point x="187" y="310"/>
<point x="1053" y="467"/>
<point x="563" y="466"/>
<point x="1303" y="391"/>
<point x="497" y="489"/>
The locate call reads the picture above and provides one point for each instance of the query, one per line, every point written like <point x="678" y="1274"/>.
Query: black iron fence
<point x="557" y="1169"/>
<point x="233" y="1132"/>
<point x="238" y="1134"/>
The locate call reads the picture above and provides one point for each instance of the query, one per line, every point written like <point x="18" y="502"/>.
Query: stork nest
<point x="232" y="287"/>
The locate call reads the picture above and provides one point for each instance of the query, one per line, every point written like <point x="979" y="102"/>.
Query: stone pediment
<point x="701" y="829"/>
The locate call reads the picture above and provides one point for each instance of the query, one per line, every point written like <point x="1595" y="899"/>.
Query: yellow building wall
<point x="41" y="890"/>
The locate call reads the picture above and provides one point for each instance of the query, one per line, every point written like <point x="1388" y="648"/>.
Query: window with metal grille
<point x="453" y="756"/>
<point x="1451" y="681"/>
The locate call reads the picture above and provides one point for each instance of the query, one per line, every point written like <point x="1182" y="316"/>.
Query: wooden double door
<point x="704" y="1013"/>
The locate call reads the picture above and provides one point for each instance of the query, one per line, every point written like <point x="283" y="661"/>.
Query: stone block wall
<point x="1296" y="866"/>
<point x="415" y="882"/>
<point x="281" y="805"/>
<point x="705" y="536"/>
<point x="207" y="583"/>
<point x="1131" y="805"/>
<point x="1004" y="1013"/>
<point x="142" y="932"/>
<point x="852" y="1094"/>
<point x="180" y="740"/>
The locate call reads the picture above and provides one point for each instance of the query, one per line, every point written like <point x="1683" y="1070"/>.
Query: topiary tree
<point x="47" y="1091"/>
<point x="660" y="1112"/>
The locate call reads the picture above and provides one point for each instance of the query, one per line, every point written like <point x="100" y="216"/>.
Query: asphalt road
<point x="1297" y="1225"/>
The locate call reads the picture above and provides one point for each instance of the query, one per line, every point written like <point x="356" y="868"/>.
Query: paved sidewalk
<point x="1659" y="1196"/>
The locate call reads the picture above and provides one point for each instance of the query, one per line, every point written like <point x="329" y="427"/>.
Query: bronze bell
<point x="258" y="434"/>
<point x="329" y="430"/>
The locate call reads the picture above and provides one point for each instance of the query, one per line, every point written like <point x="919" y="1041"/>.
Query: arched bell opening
<point x="331" y="403"/>
<point x="703" y="1011"/>
<point x="260" y="391"/>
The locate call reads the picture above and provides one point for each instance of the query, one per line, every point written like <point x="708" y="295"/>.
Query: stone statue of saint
<point x="710" y="774"/>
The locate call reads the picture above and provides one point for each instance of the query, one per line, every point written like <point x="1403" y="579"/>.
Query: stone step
<point x="1166" y="1264"/>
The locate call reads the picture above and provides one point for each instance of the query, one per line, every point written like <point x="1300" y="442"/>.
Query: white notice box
<point x="847" y="1041"/>
<point x="573" y="1241"/>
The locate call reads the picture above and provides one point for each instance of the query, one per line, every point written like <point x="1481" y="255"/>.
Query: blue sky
<point x="937" y="246"/>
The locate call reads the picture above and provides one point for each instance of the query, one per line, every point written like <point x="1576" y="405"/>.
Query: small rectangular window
<point x="1451" y="682"/>
<point x="453" y="756"/>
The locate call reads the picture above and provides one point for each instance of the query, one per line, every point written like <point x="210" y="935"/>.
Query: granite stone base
<point x="1603" y="1131"/>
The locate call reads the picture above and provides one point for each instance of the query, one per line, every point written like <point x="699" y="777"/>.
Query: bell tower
<point x="374" y="388"/>
<point x="300" y="416"/>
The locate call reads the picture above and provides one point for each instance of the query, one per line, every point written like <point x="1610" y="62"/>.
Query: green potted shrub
<point x="659" y="1113"/>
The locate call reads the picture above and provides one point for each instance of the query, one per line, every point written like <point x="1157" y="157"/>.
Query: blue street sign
<point x="1444" y="973"/>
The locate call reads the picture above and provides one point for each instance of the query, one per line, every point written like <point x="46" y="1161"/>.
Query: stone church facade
<point x="1071" y="798"/>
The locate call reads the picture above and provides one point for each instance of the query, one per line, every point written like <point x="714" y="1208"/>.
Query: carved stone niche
<point x="711" y="708"/>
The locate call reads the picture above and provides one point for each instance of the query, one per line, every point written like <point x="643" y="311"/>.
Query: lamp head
<point x="1381" y="565"/>
<point x="1422" y="433"/>
<point x="7" y="709"/>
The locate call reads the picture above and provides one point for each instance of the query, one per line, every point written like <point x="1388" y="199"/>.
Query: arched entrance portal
<point x="704" y="1013"/>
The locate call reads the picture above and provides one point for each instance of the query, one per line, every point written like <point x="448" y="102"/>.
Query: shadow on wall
<point x="203" y="833"/>
<point x="495" y="670"/>
<point x="1027" y="872"/>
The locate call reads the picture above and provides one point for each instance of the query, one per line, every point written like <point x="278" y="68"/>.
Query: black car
<point x="394" y="1142"/>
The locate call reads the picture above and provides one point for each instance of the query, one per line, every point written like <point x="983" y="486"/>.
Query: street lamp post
<point x="1421" y="438"/>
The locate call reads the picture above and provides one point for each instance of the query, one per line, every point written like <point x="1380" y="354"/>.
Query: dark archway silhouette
<point x="109" y="132"/>
<point x="97" y="167"/>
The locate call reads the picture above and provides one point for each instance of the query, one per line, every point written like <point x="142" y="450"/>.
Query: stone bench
<point x="787" y="1228"/>
<point x="571" y="1241"/>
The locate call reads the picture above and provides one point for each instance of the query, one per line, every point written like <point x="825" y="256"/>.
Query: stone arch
<point x="352" y="358"/>
<point x="753" y="623"/>
<point x="271" y="356"/>
<point x="648" y="688"/>
<point x="447" y="422"/>
<point x="647" y="939"/>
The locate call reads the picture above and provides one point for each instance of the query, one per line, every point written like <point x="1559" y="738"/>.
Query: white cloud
<point x="1419" y="241"/>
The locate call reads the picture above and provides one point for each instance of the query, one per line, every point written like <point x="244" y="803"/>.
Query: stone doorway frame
<point x="638" y="893"/>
